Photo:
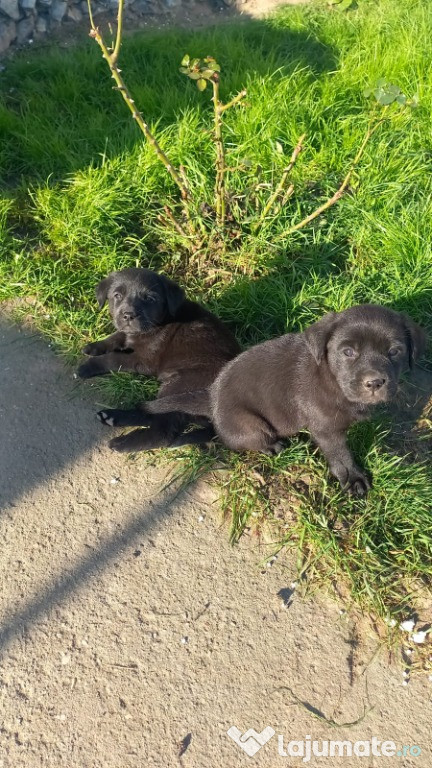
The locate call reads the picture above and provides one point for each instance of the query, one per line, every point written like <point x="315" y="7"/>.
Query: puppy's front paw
<point x="88" y="369"/>
<point x="358" y="484"/>
<point x="120" y="444"/>
<point x="94" y="349"/>
<point x="106" y="417"/>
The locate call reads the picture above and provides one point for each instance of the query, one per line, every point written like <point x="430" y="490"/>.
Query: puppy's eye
<point x="349" y="352"/>
<point x="394" y="351"/>
<point x="117" y="296"/>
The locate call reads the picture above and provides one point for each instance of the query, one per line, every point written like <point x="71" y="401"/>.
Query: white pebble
<point x="201" y="519"/>
<point x="404" y="682"/>
<point x="408" y="651"/>
<point x="293" y="584"/>
<point x="430" y="678"/>
<point x="184" y="640"/>
<point x="65" y="659"/>
<point x="114" y="480"/>
<point x="75" y="376"/>
<point x="419" y="637"/>
<point x="407" y="625"/>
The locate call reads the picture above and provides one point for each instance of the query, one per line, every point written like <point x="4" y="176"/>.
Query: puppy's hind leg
<point x="133" y="417"/>
<point x="194" y="437"/>
<point x="250" y="433"/>
<point x="160" y="434"/>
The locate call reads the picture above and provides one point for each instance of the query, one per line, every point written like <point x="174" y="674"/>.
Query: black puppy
<point x="322" y="380"/>
<point x="159" y="333"/>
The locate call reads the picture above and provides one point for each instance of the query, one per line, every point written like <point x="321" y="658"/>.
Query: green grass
<point x="81" y="193"/>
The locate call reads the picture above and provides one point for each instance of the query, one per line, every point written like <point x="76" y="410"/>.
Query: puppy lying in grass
<point x="322" y="380"/>
<point x="159" y="333"/>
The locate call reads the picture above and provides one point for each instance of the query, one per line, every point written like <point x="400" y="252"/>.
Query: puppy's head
<point x="139" y="299"/>
<point x="366" y="348"/>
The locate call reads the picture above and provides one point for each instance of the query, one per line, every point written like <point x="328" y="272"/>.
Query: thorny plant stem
<point x="111" y="59"/>
<point x="339" y="192"/>
<point x="273" y="197"/>
<point x="115" y="53"/>
<point x="220" y="155"/>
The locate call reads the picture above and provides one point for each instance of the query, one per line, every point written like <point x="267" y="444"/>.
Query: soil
<point x="132" y="631"/>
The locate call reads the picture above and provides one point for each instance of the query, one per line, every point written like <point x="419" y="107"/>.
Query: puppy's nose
<point x="374" y="384"/>
<point x="128" y="315"/>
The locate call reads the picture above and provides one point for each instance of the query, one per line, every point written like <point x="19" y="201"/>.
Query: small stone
<point x="7" y="34"/>
<point x="74" y="14"/>
<point x="41" y="27"/>
<point x="58" y="10"/>
<point x="10" y="8"/>
<point x="404" y="682"/>
<point x="430" y="678"/>
<point x="143" y="7"/>
<point x="407" y="625"/>
<point x="27" y="5"/>
<point x="65" y="659"/>
<point x="419" y="637"/>
<point x="114" y="480"/>
<point x="201" y="519"/>
<point x="293" y="584"/>
<point x="25" y="28"/>
<point x="184" y="640"/>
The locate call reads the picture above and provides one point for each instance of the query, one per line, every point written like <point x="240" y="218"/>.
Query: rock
<point x="25" y="28"/>
<point x="142" y="7"/>
<point x="172" y="3"/>
<point x="58" y="10"/>
<point x="74" y="14"/>
<point x="10" y="8"/>
<point x="28" y="5"/>
<point x="41" y="25"/>
<point x="44" y="3"/>
<point x="7" y="34"/>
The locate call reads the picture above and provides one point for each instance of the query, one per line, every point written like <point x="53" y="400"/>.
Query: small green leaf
<point x="207" y="73"/>
<point x="401" y="99"/>
<point x="345" y="4"/>
<point x="195" y="75"/>
<point x="279" y="147"/>
<point x="368" y="92"/>
<point x="185" y="60"/>
<point x="385" y="98"/>
<point x="202" y="84"/>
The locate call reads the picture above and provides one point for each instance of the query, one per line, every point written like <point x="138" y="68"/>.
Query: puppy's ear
<point x="417" y="340"/>
<point x="174" y="295"/>
<point x="317" y="336"/>
<point x="102" y="290"/>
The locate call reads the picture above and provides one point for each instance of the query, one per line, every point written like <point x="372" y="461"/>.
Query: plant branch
<point x="115" y="53"/>
<point x="339" y="192"/>
<point x="121" y="86"/>
<point x="272" y="199"/>
<point x="233" y="101"/>
<point x="220" y="154"/>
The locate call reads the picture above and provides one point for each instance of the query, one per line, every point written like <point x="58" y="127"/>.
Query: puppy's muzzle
<point x="372" y="385"/>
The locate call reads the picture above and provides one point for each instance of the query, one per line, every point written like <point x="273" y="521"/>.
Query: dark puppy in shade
<point x="322" y="380"/>
<point x="159" y="333"/>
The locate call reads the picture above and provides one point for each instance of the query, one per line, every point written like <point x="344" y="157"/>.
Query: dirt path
<point x="129" y="624"/>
